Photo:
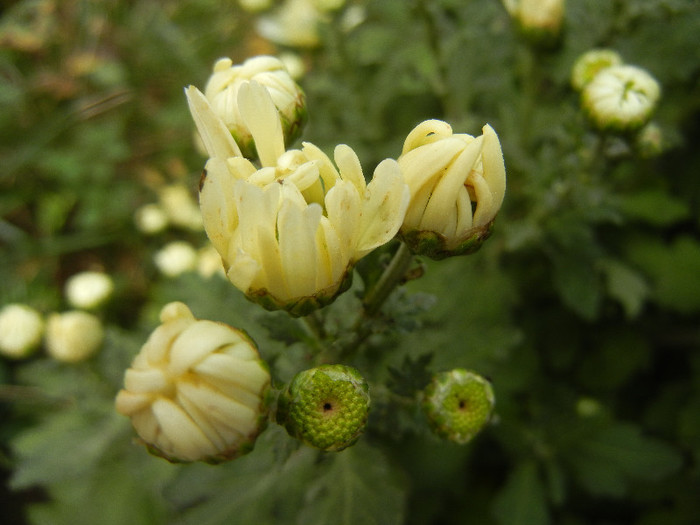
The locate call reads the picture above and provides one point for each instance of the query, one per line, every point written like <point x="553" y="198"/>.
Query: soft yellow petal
<point x="425" y="164"/>
<point x="194" y="344"/>
<point x="344" y="212"/>
<point x="384" y="208"/>
<point x="263" y="120"/>
<point x="216" y="204"/>
<point x="349" y="167"/>
<point x="425" y="133"/>
<point x="464" y="211"/>
<point x="216" y="137"/>
<point x="494" y="166"/>
<point x="326" y="170"/>
<point x="180" y="436"/>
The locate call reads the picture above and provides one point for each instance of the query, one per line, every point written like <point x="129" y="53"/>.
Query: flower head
<point x="539" y="20"/>
<point x="290" y="231"/>
<point x="458" y="404"/>
<point x="621" y="98"/>
<point x="73" y="336"/>
<point x="222" y="93"/>
<point x="21" y="328"/>
<point x="457" y="185"/>
<point x="325" y="407"/>
<point x="197" y="390"/>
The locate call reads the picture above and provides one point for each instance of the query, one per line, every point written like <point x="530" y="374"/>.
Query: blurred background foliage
<point x="583" y="308"/>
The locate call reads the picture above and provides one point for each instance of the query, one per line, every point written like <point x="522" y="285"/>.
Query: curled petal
<point x="216" y="137"/>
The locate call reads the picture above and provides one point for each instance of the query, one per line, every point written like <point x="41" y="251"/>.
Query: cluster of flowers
<point x="70" y="336"/>
<point x="290" y="225"/>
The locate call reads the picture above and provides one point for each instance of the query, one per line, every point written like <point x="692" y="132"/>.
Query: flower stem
<point x="393" y="274"/>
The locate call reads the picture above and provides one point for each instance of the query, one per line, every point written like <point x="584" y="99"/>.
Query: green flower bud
<point x="458" y="404"/>
<point x="325" y="407"/>
<point x="592" y="62"/>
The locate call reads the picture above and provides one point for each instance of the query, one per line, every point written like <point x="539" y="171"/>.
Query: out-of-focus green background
<point x="583" y="308"/>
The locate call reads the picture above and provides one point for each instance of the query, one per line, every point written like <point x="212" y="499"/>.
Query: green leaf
<point x="608" y="459"/>
<point x="522" y="500"/>
<point x="655" y="207"/>
<point x="357" y="485"/>
<point x="625" y="285"/>
<point x="577" y="281"/>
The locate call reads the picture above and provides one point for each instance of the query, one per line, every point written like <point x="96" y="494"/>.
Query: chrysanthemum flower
<point x="290" y="232"/>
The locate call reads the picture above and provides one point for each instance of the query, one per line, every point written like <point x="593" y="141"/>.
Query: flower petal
<point x="216" y="137"/>
<point x="261" y="116"/>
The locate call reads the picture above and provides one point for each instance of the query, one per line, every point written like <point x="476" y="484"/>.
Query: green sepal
<point x="437" y="246"/>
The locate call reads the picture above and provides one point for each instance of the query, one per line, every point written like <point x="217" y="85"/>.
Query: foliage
<point x="581" y="308"/>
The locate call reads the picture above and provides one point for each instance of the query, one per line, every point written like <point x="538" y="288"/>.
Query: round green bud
<point x="458" y="404"/>
<point x="325" y="407"/>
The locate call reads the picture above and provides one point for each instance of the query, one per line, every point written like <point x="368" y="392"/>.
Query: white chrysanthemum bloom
<point x="88" y="289"/>
<point x="151" y="219"/>
<point x="621" y="98"/>
<point x="222" y="88"/>
<point x="180" y="207"/>
<point x="197" y="390"/>
<point x="457" y="185"/>
<point x="21" y="328"/>
<point x="176" y="258"/>
<point x="73" y="336"/>
<point x="540" y="20"/>
<point x="295" y="24"/>
<point x="290" y="232"/>
<point x="589" y="64"/>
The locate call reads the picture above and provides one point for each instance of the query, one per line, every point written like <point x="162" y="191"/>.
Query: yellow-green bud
<point x="73" y="336"/>
<point x="592" y="62"/>
<point x="540" y="21"/>
<point x="325" y="407"/>
<point x="621" y="98"/>
<point x="197" y="390"/>
<point x="458" y="404"/>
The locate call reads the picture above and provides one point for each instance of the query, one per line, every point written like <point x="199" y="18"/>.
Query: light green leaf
<point x="655" y="207"/>
<point x="358" y="486"/>
<point x="522" y="500"/>
<point x="625" y="285"/>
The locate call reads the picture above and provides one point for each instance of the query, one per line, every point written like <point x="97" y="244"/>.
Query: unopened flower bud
<point x="621" y="98"/>
<point x="176" y="258"/>
<point x="539" y="20"/>
<point x="73" y="336"/>
<point x="222" y="93"/>
<point x="325" y="407"/>
<point x="458" y="404"/>
<point x="180" y="207"/>
<point x="89" y="290"/>
<point x="457" y="184"/>
<point x="649" y="141"/>
<point x="295" y="23"/>
<point x="21" y="328"/>
<point x="151" y="219"/>
<point x="592" y="62"/>
<point x="197" y="390"/>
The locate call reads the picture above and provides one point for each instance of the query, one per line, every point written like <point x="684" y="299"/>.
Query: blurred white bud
<point x="253" y="6"/>
<point x="294" y="24"/>
<point x="180" y="207"/>
<point x="197" y="390"/>
<point x="88" y="289"/>
<point x="294" y="64"/>
<point x="73" y="336"/>
<point x="151" y="219"/>
<point x="209" y="262"/>
<point x="21" y="328"/>
<point x="176" y="258"/>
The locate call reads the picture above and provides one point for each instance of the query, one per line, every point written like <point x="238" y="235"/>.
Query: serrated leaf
<point x="357" y="486"/>
<point x="522" y="500"/>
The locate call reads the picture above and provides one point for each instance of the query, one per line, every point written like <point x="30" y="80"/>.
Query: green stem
<point x="393" y="274"/>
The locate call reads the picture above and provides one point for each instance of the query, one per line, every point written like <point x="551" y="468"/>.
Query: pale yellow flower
<point x="457" y="185"/>
<point x="592" y="62"/>
<point x="539" y="20"/>
<point x="197" y="390"/>
<point x="290" y="231"/>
